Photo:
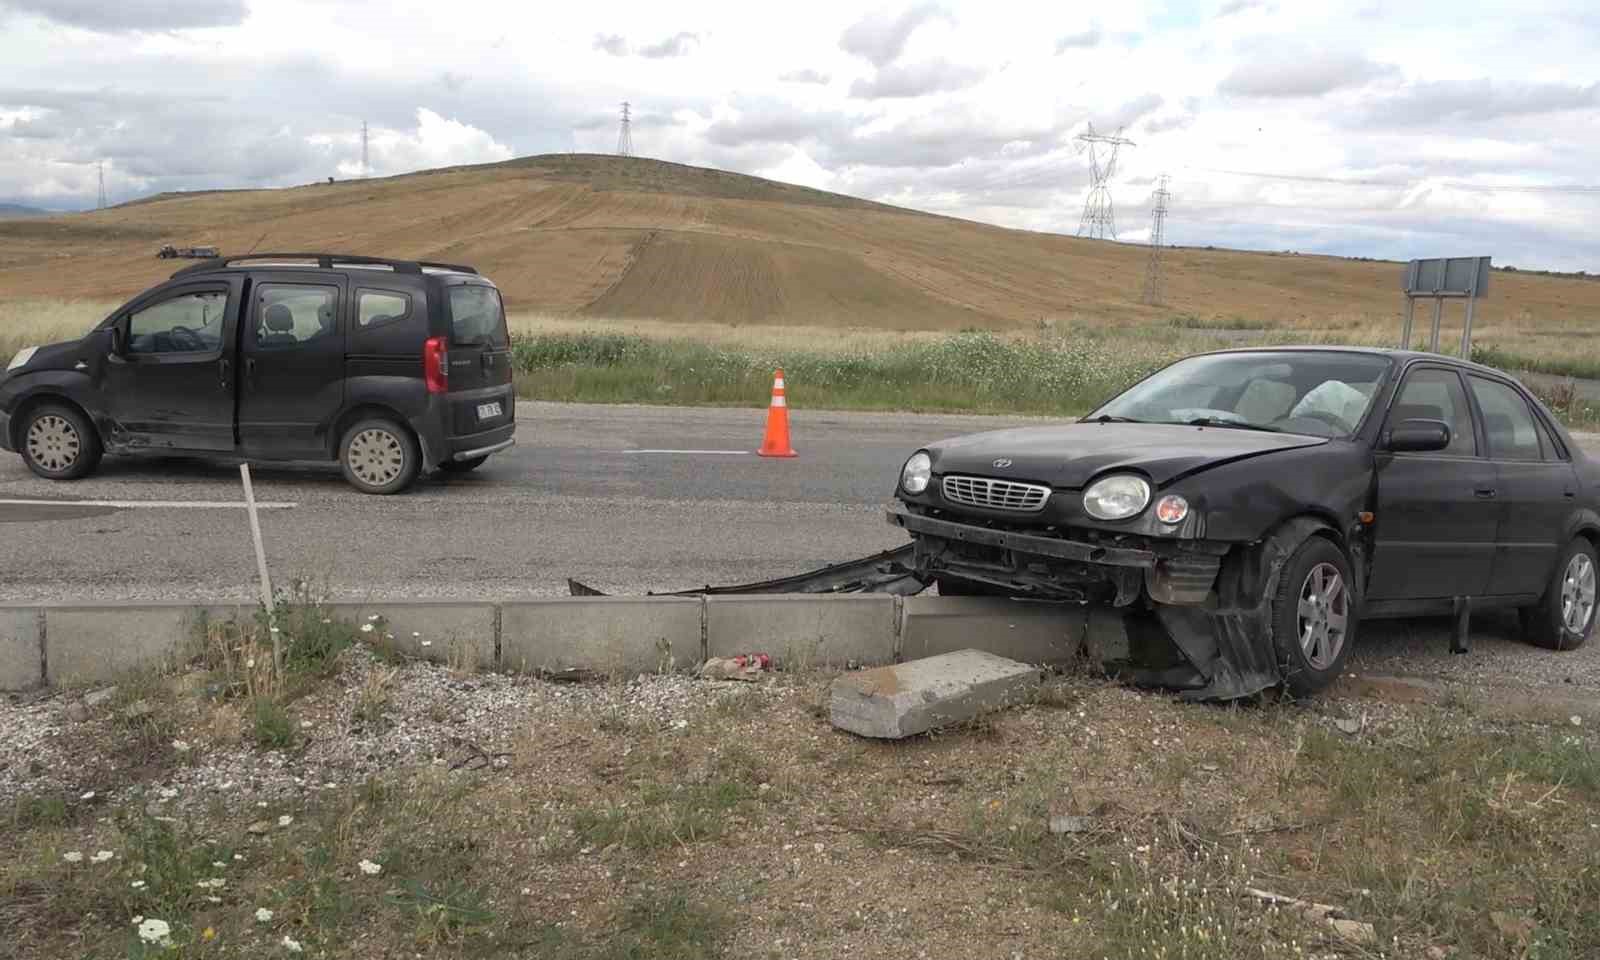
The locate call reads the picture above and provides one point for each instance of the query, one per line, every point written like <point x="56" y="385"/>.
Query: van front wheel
<point x="58" y="443"/>
<point x="379" y="456"/>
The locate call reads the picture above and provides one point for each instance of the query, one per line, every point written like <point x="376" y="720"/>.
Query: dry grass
<point x="760" y="831"/>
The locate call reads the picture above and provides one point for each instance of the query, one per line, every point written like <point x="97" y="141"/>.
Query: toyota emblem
<point x="1002" y="463"/>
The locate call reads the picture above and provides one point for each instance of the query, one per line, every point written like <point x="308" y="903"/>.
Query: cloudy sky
<point x="1370" y="129"/>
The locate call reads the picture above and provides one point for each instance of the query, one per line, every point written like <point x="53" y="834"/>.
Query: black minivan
<point x="391" y="367"/>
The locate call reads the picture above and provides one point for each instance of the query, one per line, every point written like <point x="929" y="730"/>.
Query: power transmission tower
<point x="101" y="204"/>
<point x="625" y="133"/>
<point x="1099" y="219"/>
<point x="1158" y="220"/>
<point x="366" y="166"/>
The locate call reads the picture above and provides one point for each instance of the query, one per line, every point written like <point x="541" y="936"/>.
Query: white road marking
<point x="703" y="453"/>
<point x="149" y="504"/>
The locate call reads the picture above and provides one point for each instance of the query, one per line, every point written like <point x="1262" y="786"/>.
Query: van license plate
<point x="488" y="411"/>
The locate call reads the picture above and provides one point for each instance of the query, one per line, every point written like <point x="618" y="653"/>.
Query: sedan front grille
<point x="995" y="494"/>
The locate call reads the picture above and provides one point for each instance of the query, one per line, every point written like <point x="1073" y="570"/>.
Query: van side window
<point x="381" y="306"/>
<point x="187" y="323"/>
<point x="288" y="315"/>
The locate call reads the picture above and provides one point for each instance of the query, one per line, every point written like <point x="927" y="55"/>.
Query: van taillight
<point x="435" y="365"/>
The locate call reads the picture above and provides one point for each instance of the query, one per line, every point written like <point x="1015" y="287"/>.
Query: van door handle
<point x="222" y="370"/>
<point x="1484" y="493"/>
<point x="250" y="371"/>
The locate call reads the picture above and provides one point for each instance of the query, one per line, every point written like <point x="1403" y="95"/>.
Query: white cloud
<point x="435" y="142"/>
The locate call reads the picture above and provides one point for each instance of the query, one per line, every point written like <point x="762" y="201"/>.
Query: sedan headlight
<point x="916" y="474"/>
<point x="22" y="358"/>
<point x="1116" y="497"/>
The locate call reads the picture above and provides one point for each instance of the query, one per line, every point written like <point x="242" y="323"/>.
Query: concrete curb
<point x="69" y="644"/>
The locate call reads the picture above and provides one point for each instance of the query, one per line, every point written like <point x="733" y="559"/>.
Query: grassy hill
<point x="17" y="211"/>
<point x="644" y="240"/>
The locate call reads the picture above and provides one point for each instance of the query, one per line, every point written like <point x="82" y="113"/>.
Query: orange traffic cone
<point x="776" y="442"/>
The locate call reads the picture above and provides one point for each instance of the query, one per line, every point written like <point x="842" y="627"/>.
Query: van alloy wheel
<point x="376" y="457"/>
<point x="1578" y="594"/>
<point x="53" y="443"/>
<point x="1324" y="615"/>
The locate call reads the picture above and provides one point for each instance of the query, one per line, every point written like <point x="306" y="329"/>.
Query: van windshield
<point x="477" y="317"/>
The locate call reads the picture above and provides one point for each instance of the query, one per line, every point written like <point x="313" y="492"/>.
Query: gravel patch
<point x="433" y="717"/>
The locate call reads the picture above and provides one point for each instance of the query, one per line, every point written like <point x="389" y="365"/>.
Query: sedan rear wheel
<point x="1314" y="616"/>
<point x="379" y="456"/>
<point x="1565" y="617"/>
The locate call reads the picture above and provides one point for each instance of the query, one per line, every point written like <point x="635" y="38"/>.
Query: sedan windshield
<point x="1322" y="394"/>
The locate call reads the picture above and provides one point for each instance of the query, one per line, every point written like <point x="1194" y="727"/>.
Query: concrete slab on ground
<point x="801" y="631"/>
<point x="911" y="698"/>
<point x="613" y="635"/>
<point x="1046" y="633"/>
<point x="21" y="656"/>
<point x="94" y="643"/>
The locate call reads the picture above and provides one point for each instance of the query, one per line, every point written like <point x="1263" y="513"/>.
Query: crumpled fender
<point x="1228" y="649"/>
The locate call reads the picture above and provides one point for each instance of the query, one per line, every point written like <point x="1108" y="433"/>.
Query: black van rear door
<point x="480" y="359"/>
<point x="291" y="384"/>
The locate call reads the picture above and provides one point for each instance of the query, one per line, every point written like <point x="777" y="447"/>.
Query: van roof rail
<point x="322" y="261"/>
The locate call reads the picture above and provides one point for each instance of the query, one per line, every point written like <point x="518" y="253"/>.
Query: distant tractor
<point x="168" y="252"/>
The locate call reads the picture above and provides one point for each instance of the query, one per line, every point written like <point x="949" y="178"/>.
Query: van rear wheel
<point x="58" y="443"/>
<point x="379" y="456"/>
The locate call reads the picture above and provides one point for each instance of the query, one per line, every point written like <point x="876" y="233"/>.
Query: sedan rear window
<point x="477" y="317"/>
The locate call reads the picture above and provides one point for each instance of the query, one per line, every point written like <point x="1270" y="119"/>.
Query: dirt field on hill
<point x="636" y="238"/>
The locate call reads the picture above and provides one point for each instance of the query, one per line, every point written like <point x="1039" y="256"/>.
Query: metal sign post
<point x="1466" y="278"/>
<point x="261" y="563"/>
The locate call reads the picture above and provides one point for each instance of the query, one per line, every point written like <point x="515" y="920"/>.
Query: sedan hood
<point x="1069" y="456"/>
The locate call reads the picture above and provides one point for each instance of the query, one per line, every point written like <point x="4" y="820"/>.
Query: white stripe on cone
<point x="780" y="402"/>
<point x="777" y="384"/>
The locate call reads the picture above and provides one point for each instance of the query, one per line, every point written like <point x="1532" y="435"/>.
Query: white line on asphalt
<point x="148" y="504"/>
<point x="707" y="453"/>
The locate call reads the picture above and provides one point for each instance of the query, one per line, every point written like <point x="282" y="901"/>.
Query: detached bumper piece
<point x="888" y="572"/>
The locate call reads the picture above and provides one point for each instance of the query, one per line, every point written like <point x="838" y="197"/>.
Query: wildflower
<point x="263" y="915"/>
<point x="215" y="883"/>
<point x="137" y="884"/>
<point x="155" y="931"/>
<point x="285" y="820"/>
<point x="218" y="864"/>
<point x="182" y="746"/>
<point x="138" y="920"/>
<point x="213" y="899"/>
<point x="427" y="643"/>
<point x="326" y="620"/>
<point x="87" y="796"/>
<point x="208" y="933"/>
<point x="291" y="944"/>
<point x="72" y="856"/>
<point x="273" y="630"/>
<point x="250" y="664"/>
<point x="102" y="856"/>
<point x="366" y="628"/>
<point x="370" y="869"/>
<point x="416" y="634"/>
<point x="373" y="618"/>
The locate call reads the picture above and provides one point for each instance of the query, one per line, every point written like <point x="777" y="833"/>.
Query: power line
<point x="1099" y="218"/>
<point x="625" y="133"/>
<point x="1158" y="218"/>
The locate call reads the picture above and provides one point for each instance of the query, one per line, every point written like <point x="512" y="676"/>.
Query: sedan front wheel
<point x="1314" y="615"/>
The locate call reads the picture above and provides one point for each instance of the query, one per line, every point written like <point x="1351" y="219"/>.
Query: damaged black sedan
<point x="1246" y="509"/>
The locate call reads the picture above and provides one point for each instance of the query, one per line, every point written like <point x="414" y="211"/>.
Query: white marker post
<point x="261" y="563"/>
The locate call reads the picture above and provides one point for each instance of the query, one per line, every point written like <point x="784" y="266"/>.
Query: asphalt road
<point x="574" y="498"/>
<point x="570" y="500"/>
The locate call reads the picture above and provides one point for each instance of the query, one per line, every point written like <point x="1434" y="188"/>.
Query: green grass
<point x="1575" y="364"/>
<point x="973" y="371"/>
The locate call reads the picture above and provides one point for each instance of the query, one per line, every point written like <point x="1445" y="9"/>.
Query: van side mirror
<point x="1419" y="436"/>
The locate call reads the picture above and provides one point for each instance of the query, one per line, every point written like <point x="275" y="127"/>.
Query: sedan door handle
<point x="1484" y="493"/>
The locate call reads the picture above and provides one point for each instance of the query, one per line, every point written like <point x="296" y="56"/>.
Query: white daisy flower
<point x="101" y="856"/>
<point x="366" y="628"/>
<point x="370" y="869"/>
<point x="290" y="944"/>
<point x="73" y="856"/>
<point x="154" y="931"/>
<point x="137" y="884"/>
<point x="285" y="820"/>
<point x="263" y="915"/>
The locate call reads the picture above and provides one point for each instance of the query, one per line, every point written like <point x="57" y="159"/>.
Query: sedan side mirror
<point x="1419" y="436"/>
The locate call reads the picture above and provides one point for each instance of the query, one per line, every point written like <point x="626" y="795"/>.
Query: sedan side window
<point x="1507" y="421"/>
<point x="188" y="323"/>
<point x="1432" y="393"/>
<point x="288" y="315"/>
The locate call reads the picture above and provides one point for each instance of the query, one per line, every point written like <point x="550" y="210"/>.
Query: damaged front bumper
<point x="1196" y="614"/>
<point x="1093" y="569"/>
